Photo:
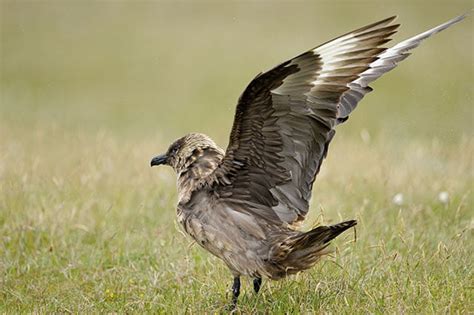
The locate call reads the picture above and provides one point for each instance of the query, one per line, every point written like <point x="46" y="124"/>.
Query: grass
<point x="99" y="234"/>
<point x="87" y="226"/>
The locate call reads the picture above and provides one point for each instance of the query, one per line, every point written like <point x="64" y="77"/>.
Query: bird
<point x="245" y="204"/>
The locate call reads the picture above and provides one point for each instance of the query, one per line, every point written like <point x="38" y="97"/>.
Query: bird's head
<point x="184" y="151"/>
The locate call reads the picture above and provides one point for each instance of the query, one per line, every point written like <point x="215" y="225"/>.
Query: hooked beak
<point x="158" y="160"/>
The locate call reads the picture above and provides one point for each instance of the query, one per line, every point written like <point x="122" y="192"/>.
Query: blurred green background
<point x="159" y="69"/>
<point x="91" y="90"/>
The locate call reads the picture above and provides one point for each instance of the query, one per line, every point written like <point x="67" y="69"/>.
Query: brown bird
<point x="242" y="204"/>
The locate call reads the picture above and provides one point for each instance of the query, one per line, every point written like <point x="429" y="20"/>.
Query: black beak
<point x="158" y="160"/>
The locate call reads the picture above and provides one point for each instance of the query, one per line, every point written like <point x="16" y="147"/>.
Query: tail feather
<point x="302" y="251"/>
<point x="337" y="229"/>
<point x="323" y="234"/>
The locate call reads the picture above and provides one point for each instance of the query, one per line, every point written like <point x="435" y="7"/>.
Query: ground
<point x="87" y="226"/>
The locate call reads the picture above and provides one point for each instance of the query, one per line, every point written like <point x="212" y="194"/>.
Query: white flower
<point x="398" y="199"/>
<point x="443" y="197"/>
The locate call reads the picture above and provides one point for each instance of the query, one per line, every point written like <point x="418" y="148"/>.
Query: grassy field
<point x="90" y="91"/>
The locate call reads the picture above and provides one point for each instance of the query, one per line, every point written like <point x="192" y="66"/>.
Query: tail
<point x="303" y="250"/>
<point x="322" y="235"/>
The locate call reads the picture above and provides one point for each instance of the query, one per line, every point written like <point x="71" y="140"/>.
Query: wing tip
<point x="446" y="25"/>
<point x="392" y="18"/>
<point x="459" y="18"/>
<point x="377" y="24"/>
<point x="453" y="21"/>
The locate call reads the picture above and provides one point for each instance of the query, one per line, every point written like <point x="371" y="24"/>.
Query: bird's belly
<point x="244" y="254"/>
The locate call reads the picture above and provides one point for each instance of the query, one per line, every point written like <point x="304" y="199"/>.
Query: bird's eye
<point x="174" y="151"/>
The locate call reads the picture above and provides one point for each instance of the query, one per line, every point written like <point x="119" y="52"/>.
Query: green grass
<point x="97" y="233"/>
<point x="91" y="92"/>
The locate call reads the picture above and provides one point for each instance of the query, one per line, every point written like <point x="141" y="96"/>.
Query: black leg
<point x="257" y="282"/>
<point x="235" y="291"/>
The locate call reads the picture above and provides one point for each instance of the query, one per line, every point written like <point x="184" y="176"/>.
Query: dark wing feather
<point x="285" y="118"/>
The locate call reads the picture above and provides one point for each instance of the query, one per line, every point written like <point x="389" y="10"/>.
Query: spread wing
<point x="285" y="119"/>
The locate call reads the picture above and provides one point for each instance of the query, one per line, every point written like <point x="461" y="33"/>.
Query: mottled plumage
<point x="242" y="204"/>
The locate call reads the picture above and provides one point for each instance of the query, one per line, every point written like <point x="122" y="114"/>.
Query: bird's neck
<point x="196" y="171"/>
